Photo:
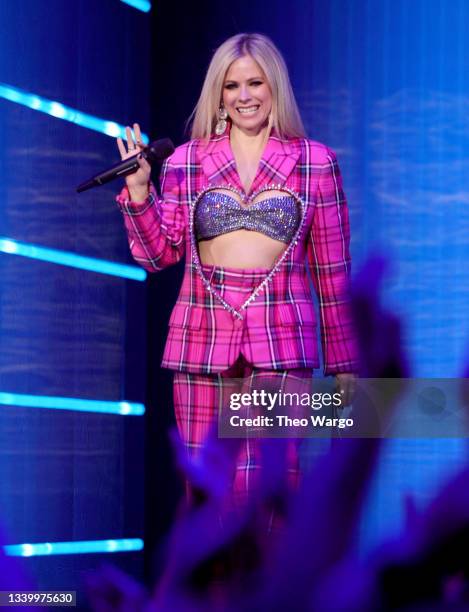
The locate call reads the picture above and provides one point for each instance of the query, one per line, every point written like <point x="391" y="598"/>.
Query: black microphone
<point x="155" y="152"/>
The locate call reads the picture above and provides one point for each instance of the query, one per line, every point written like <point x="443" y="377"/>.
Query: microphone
<point x="155" y="152"/>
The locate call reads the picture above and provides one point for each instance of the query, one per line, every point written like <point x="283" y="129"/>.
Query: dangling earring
<point x="220" y="126"/>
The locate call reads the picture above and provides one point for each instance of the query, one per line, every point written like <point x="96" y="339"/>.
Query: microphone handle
<point x="122" y="168"/>
<point x="155" y="151"/>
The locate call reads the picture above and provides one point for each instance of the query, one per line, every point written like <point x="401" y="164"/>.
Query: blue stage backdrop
<point x="71" y="75"/>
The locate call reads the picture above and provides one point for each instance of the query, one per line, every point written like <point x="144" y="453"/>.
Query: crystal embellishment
<point x="219" y="213"/>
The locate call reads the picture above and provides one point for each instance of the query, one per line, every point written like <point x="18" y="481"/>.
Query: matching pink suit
<point x="270" y="325"/>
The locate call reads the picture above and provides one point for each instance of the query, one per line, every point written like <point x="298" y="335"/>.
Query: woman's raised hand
<point x="137" y="182"/>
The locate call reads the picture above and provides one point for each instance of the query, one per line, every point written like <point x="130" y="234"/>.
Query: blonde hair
<point x="285" y="115"/>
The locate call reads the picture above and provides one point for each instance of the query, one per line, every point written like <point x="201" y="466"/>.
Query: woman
<point x="247" y="201"/>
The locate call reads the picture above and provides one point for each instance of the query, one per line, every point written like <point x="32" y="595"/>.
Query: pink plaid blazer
<point x="276" y="327"/>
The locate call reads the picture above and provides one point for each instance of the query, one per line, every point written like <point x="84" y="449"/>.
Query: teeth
<point x="249" y="109"/>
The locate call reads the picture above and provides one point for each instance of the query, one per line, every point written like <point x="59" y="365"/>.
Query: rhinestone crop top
<point x="218" y="213"/>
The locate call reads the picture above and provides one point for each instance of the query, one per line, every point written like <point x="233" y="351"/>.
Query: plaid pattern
<point x="277" y="329"/>
<point x="197" y="401"/>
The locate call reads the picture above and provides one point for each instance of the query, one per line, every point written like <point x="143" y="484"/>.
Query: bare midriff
<point x="241" y="249"/>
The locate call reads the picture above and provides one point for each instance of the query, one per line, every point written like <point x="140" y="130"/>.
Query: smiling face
<point x="247" y="96"/>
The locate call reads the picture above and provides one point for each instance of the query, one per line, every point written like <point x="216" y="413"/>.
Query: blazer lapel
<point x="275" y="166"/>
<point x="218" y="163"/>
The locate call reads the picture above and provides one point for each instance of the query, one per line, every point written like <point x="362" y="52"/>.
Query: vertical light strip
<point x="56" y="109"/>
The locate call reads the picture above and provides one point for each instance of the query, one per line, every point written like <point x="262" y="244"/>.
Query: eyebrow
<point x="256" y="78"/>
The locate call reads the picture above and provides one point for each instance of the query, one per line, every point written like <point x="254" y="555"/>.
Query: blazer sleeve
<point x="156" y="228"/>
<point x="329" y="257"/>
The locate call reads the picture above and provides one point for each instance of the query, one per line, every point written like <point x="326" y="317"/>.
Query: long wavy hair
<point x="285" y="116"/>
